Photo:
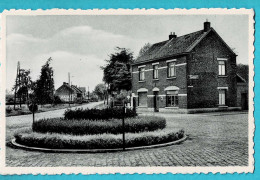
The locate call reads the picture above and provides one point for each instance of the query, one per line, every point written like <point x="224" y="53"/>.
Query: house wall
<point x="162" y="82"/>
<point x="202" y="61"/>
<point x="64" y="94"/>
<point x="241" y="88"/>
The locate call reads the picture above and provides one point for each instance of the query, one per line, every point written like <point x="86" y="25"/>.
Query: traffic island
<point x="64" y="150"/>
<point x="89" y="131"/>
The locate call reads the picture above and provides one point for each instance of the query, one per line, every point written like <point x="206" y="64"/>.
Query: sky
<point x="80" y="44"/>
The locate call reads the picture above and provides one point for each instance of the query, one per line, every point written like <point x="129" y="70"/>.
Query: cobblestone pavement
<point x="214" y="140"/>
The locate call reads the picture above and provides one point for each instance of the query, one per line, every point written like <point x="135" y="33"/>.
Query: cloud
<point x="80" y="50"/>
<point x="23" y="38"/>
<point x="89" y="31"/>
<point x="84" y="69"/>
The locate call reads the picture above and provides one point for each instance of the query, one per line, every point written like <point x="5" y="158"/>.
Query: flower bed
<point x="113" y="126"/>
<point x="96" y="114"/>
<point x="100" y="141"/>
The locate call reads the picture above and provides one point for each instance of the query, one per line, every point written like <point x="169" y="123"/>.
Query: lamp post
<point x="107" y="86"/>
<point x="70" y="84"/>
<point x="123" y="124"/>
<point x="33" y="107"/>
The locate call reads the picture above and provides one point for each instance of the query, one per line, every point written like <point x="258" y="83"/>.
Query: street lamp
<point x="70" y="83"/>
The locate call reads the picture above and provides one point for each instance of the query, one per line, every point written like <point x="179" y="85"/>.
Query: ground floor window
<point x="222" y="97"/>
<point x="172" y="99"/>
<point x="142" y="99"/>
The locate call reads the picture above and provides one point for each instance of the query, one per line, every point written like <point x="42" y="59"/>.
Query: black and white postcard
<point x="127" y="91"/>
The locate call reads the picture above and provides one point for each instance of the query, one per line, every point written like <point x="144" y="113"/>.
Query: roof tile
<point x="170" y="47"/>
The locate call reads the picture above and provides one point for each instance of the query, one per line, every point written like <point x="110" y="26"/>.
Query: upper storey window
<point x="141" y="74"/>
<point x="222" y="66"/>
<point x="155" y="71"/>
<point x="171" y="69"/>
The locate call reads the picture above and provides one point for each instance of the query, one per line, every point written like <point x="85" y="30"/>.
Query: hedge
<point x="101" y="141"/>
<point x="95" y="114"/>
<point x="113" y="126"/>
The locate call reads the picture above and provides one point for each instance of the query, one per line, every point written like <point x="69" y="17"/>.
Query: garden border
<point x="13" y="141"/>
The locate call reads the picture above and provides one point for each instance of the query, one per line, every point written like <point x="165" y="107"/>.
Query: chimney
<point x="172" y="35"/>
<point x="206" y="26"/>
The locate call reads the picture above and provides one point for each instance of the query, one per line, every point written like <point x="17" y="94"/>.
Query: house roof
<point x="65" y="85"/>
<point x="240" y="79"/>
<point x="83" y="89"/>
<point x="175" y="46"/>
<point x="72" y="88"/>
<point x="76" y="89"/>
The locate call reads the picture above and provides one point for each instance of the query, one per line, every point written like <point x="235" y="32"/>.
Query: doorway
<point x="156" y="101"/>
<point x="244" y="101"/>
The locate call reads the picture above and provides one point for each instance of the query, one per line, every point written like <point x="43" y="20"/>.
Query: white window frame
<point x="141" y="73"/>
<point x="171" y="69"/>
<point x="155" y="71"/>
<point x="222" y="97"/>
<point x="221" y="67"/>
<point x="173" y="97"/>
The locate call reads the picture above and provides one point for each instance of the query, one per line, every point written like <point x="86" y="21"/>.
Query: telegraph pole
<point x="19" y="86"/>
<point x="15" y="88"/>
<point x="69" y="86"/>
<point x="123" y="124"/>
<point x="88" y="92"/>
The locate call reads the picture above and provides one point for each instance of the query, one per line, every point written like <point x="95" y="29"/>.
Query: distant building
<point x="84" y="92"/>
<point x="242" y="93"/>
<point x="196" y="70"/>
<point x="69" y="93"/>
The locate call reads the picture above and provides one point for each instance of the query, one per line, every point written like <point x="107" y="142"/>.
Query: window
<point x="141" y="74"/>
<point x="221" y="68"/>
<point x="155" y="71"/>
<point x="172" y="99"/>
<point x="171" y="69"/>
<point x="222" y="97"/>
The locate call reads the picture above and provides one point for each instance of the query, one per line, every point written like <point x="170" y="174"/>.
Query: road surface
<point x="215" y="139"/>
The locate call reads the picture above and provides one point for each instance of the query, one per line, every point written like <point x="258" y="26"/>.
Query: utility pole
<point x="123" y="124"/>
<point x="107" y="93"/>
<point x="19" y="86"/>
<point x="16" y="79"/>
<point x="88" y="92"/>
<point x="69" y="87"/>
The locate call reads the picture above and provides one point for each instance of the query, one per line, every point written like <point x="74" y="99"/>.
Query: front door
<point x="156" y="101"/>
<point x="244" y="101"/>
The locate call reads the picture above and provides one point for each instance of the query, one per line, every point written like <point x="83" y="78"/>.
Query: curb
<point x="96" y="150"/>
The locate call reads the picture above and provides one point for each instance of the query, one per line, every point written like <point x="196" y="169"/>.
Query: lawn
<point x="23" y="110"/>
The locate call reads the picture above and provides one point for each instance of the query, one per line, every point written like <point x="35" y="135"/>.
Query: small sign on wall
<point x="194" y="76"/>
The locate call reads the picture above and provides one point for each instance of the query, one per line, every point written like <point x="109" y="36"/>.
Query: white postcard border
<point x="129" y="170"/>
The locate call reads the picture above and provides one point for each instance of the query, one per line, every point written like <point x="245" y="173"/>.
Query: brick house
<point x="69" y="93"/>
<point x="242" y="93"/>
<point x="83" y="90"/>
<point x="196" y="70"/>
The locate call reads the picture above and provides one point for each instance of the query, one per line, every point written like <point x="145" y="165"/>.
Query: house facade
<point x="69" y="93"/>
<point x="197" y="70"/>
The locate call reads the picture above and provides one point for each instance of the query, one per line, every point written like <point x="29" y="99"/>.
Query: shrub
<point x="113" y="126"/>
<point x="101" y="141"/>
<point x="57" y="100"/>
<point x="95" y="114"/>
<point x="8" y="110"/>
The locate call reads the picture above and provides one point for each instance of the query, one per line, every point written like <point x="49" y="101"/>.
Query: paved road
<point x="214" y="140"/>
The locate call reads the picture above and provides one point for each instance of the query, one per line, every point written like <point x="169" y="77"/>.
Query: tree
<point x="242" y="70"/>
<point x="100" y="91"/>
<point x="144" y="49"/>
<point x="23" y="85"/>
<point x="117" y="72"/>
<point x="44" y="86"/>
